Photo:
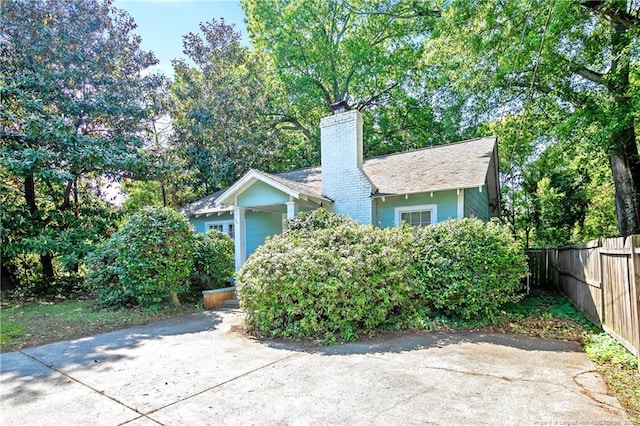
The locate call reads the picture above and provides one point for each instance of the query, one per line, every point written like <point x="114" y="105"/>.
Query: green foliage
<point x="217" y="109"/>
<point x="329" y="278"/>
<point x="145" y="262"/>
<point x="468" y="268"/>
<point x="559" y="72"/>
<point x="365" y="52"/>
<point x="213" y="260"/>
<point x="140" y="194"/>
<point x="603" y="348"/>
<point x="73" y="92"/>
<point x="328" y="283"/>
<point x="306" y="222"/>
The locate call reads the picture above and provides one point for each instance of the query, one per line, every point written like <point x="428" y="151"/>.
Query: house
<point x="419" y="187"/>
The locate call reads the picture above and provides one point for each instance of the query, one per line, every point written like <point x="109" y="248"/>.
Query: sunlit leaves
<point x="73" y="104"/>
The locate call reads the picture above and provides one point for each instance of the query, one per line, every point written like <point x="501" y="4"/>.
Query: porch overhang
<point x="252" y="176"/>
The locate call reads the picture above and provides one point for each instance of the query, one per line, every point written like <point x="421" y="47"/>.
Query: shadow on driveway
<point x="21" y="369"/>
<point x="411" y="340"/>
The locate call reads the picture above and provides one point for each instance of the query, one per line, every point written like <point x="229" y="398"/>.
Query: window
<point x="417" y="215"/>
<point x="226" y="227"/>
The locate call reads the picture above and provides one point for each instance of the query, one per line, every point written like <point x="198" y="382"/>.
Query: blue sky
<point x="162" y="23"/>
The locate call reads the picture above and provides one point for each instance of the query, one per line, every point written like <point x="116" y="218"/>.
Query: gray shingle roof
<point x="205" y="205"/>
<point x="307" y="181"/>
<point x="457" y="165"/>
<point x="438" y="168"/>
<point x="452" y="166"/>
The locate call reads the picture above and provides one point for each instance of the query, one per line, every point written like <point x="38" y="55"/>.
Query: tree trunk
<point x="623" y="151"/>
<point x="175" y="299"/>
<point x="625" y="167"/>
<point x="46" y="261"/>
<point x="30" y="193"/>
<point x="8" y="280"/>
<point x="47" y="266"/>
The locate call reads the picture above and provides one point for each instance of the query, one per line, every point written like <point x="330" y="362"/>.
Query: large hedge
<point x="327" y="284"/>
<point x="329" y="278"/>
<point x="148" y="262"/>
<point x="468" y="268"/>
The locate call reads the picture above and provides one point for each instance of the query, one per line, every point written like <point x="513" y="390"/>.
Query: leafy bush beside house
<point x="148" y="262"/>
<point x="328" y="284"/>
<point x="468" y="268"/>
<point x="213" y="260"/>
<point x="328" y="277"/>
<point x="306" y="222"/>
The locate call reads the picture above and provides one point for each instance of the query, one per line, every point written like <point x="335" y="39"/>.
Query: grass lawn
<point x="34" y="323"/>
<point x="545" y="314"/>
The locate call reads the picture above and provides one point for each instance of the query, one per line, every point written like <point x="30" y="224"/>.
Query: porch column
<point x="460" y="203"/>
<point x="292" y="209"/>
<point x="240" y="236"/>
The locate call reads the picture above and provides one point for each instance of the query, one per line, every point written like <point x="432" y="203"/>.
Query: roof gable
<point x="297" y="189"/>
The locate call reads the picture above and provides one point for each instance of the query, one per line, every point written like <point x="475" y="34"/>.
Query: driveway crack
<point x="222" y="383"/>
<point x="470" y="373"/>
<point x="80" y="382"/>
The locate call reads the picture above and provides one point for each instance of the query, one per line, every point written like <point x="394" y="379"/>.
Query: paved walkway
<point x="198" y="370"/>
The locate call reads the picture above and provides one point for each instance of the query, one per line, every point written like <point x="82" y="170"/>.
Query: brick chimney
<point x="343" y="179"/>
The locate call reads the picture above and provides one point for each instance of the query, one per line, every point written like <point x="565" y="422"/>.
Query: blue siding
<point x="478" y="201"/>
<point x="447" y="202"/>
<point x="259" y="226"/>
<point x="261" y="194"/>
<point x="199" y="222"/>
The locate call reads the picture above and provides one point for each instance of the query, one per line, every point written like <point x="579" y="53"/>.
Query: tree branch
<point x="376" y="96"/>
<point x="612" y="13"/>
<point x="588" y="74"/>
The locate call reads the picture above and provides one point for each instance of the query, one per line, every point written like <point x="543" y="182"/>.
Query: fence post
<point x="634" y="289"/>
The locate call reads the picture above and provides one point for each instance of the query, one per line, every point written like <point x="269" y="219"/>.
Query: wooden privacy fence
<point x="602" y="278"/>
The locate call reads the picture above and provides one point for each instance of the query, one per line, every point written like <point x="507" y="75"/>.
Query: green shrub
<point x="306" y="222"/>
<point x="213" y="260"/>
<point x="468" y="268"/>
<point x="148" y="262"/>
<point x="328" y="283"/>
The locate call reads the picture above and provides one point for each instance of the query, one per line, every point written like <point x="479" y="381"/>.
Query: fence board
<point x="602" y="279"/>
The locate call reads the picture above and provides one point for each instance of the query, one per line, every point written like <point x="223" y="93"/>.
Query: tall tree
<point x="73" y="95"/>
<point x="218" y="109"/>
<point x="574" y="63"/>
<point x="365" y="52"/>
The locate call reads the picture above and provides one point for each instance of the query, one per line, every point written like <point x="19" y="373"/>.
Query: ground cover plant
<point x="34" y="322"/>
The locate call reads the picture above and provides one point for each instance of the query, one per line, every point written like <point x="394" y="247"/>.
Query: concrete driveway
<point x="199" y="370"/>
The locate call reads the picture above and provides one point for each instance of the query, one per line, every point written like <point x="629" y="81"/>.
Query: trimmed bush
<point x="328" y="283"/>
<point x="468" y="268"/>
<point x="213" y="260"/>
<point x="148" y="262"/>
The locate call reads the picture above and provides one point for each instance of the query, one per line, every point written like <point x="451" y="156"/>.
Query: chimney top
<point x="340" y="107"/>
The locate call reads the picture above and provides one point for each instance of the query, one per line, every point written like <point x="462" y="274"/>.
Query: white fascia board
<point x="247" y="180"/>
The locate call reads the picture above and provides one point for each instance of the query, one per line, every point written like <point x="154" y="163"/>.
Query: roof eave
<point x="246" y="181"/>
